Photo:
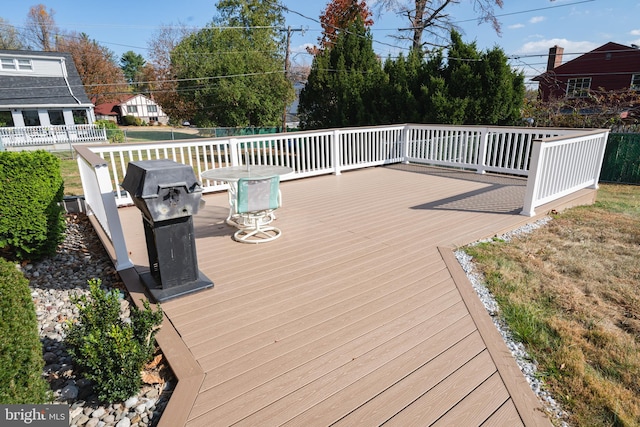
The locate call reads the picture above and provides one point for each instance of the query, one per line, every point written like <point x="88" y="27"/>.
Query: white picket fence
<point x="556" y="161"/>
<point x="60" y="137"/>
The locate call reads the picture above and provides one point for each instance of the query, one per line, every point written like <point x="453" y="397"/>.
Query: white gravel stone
<point x="98" y="413"/>
<point x="131" y="402"/>
<point x="125" y="422"/>
<point x="52" y="282"/>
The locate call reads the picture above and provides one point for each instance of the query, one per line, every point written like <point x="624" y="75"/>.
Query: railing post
<point x="533" y="181"/>
<point x="405" y="140"/>
<point x="113" y="219"/>
<point x="100" y="201"/>
<point x="235" y="152"/>
<point x="482" y="151"/>
<point x="603" y="147"/>
<point x="337" y="152"/>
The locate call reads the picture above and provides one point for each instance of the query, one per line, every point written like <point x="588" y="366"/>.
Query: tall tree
<point x="432" y="17"/>
<point x="102" y="78"/>
<point x="9" y="37"/>
<point x="161" y="71"/>
<point x="403" y="93"/>
<point x="344" y="84"/>
<point x="473" y="87"/>
<point x="40" y="28"/>
<point x="338" y="15"/>
<point x="233" y="72"/>
<point x="132" y="64"/>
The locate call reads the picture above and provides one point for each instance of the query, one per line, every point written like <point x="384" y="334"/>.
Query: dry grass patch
<point x="570" y="291"/>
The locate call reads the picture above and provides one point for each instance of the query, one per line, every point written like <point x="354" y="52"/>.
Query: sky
<point x="529" y="27"/>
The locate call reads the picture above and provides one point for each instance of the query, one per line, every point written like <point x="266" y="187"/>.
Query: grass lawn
<point x="70" y="176"/>
<point x="570" y="291"/>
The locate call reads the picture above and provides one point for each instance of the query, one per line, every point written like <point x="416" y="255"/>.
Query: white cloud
<point x="537" y="19"/>
<point x="301" y="48"/>
<point x="542" y="47"/>
<point x="635" y="32"/>
<point x="515" y="26"/>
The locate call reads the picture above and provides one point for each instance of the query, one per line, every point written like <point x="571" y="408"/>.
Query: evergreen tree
<point x="473" y="87"/>
<point x="403" y="95"/>
<point x="131" y="64"/>
<point x="344" y="85"/>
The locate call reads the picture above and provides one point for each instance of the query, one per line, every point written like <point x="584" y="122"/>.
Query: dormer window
<point x="25" y="64"/>
<point x="16" y="64"/>
<point x="578" y="87"/>
<point x="8" y="64"/>
<point x="635" y="82"/>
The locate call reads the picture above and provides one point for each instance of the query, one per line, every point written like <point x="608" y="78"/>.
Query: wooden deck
<point x="358" y="315"/>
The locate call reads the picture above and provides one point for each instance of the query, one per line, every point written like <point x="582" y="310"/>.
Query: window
<point x="578" y="87"/>
<point x="8" y="64"/>
<point x="31" y="118"/>
<point x="153" y="119"/>
<point x="635" y="82"/>
<point x="132" y="109"/>
<point x="152" y="108"/>
<point x="16" y="64"/>
<point x="25" y="64"/>
<point x="56" y="117"/>
<point x="80" y="117"/>
<point x="6" y="119"/>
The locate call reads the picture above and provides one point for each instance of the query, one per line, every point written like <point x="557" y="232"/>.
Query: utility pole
<point x="287" y="65"/>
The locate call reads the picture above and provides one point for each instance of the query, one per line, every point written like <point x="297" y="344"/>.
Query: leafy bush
<point x="114" y="134"/>
<point x="31" y="192"/>
<point x="20" y="348"/>
<point x="132" y="121"/>
<point x="112" y="351"/>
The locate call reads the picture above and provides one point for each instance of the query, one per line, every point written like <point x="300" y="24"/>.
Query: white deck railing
<point x="563" y="165"/>
<point x="557" y="161"/>
<point x="33" y="136"/>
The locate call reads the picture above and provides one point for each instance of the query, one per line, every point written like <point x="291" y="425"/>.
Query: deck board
<point x="354" y="316"/>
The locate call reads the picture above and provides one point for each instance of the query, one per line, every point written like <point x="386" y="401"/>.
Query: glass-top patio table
<point x="232" y="175"/>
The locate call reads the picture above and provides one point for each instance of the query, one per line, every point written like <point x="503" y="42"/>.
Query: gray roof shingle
<point x="30" y="90"/>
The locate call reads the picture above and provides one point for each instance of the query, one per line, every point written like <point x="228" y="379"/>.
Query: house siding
<point x="52" y="83"/>
<point x="610" y="68"/>
<point x="142" y="104"/>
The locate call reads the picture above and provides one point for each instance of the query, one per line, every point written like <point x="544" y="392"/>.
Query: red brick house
<point x="610" y="67"/>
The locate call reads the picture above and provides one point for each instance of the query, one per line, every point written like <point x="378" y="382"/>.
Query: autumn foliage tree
<point x="10" y="38"/>
<point x="338" y="15"/>
<point x="162" y="73"/>
<point x="103" y="80"/>
<point x="41" y="29"/>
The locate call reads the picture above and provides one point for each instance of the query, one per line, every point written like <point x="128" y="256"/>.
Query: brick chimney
<point x="555" y="57"/>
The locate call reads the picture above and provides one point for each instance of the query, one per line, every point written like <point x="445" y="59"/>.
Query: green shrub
<point x="114" y="133"/>
<point x="131" y="121"/>
<point x="110" y="351"/>
<point x="31" y="192"/>
<point x="20" y="348"/>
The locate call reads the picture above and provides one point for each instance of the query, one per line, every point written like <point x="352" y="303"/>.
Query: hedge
<point x="21" y="360"/>
<point x="31" y="193"/>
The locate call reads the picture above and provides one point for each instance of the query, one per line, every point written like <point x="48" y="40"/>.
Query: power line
<point x="529" y="11"/>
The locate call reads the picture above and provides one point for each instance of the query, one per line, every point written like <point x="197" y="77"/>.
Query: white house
<point x="139" y="106"/>
<point x="41" y="89"/>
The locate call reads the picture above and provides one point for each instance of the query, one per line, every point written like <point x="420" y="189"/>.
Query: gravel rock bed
<point x="526" y="363"/>
<point x="53" y="281"/>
